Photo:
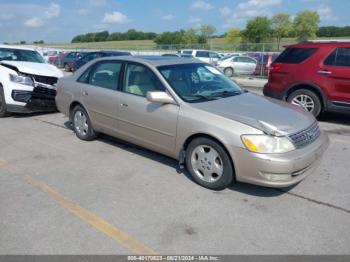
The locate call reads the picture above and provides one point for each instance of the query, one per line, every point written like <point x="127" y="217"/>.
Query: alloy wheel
<point x="207" y="163"/>
<point x="304" y="101"/>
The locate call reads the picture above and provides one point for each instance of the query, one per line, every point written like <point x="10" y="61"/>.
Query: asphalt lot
<point x="60" y="195"/>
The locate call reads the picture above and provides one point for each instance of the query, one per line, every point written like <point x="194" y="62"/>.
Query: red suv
<point x="313" y="75"/>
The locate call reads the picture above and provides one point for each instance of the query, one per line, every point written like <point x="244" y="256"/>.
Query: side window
<point x="214" y="55"/>
<point x="202" y="54"/>
<point x="239" y="59"/>
<point x="105" y="74"/>
<point x="139" y="80"/>
<point x="330" y="60"/>
<point x="343" y="57"/>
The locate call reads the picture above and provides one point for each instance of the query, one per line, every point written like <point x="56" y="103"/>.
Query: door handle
<point x="324" y="72"/>
<point x="124" y="105"/>
<point x="85" y="93"/>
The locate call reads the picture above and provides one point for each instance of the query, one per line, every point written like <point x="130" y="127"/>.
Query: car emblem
<point x="310" y="135"/>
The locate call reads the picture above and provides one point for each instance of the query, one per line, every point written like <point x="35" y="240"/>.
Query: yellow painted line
<point x="6" y="165"/>
<point x="98" y="223"/>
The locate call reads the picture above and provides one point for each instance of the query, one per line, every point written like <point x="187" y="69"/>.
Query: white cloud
<point x="6" y="17"/>
<point x="258" y="4"/>
<point x="249" y="9"/>
<point x="97" y="2"/>
<point x="83" y="11"/>
<point x="326" y="13"/>
<point x="225" y="11"/>
<point x="194" y="20"/>
<point x="115" y="17"/>
<point x="53" y="11"/>
<point x="168" y="17"/>
<point x="201" y="5"/>
<point x="34" y="22"/>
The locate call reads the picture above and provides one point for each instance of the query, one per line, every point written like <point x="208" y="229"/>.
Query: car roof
<point x="155" y="60"/>
<point x="330" y="43"/>
<point x="17" y="47"/>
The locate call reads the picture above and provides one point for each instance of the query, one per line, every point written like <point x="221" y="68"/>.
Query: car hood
<point x="40" y="69"/>
<point x="266" y="114"/>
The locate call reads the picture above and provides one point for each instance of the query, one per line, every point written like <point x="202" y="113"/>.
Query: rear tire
<point x="82" y="124"/>
<point x="228" y="71"/>
<point x="67" y="68"/>
<point x="209" y="164"/>
<point x="3" y="107"/>
<point x="306" y="99"/>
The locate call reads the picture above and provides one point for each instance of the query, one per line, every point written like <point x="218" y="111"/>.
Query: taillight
<point x="275" y="68"/>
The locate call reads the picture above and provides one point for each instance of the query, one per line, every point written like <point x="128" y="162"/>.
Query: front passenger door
<point x="151" y="125"/>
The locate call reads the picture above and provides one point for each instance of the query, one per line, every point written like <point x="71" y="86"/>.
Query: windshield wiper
<point x="226" y="93"/>
<point x="208" y="98"/>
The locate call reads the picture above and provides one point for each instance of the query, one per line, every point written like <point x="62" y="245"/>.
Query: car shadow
<point x="335" y="118"/>
<point x="164" y="160"/>
<point x="26" y="115"/>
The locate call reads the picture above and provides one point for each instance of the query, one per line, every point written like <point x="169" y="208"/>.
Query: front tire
<point x="82" y="124"/>
<point x="209" y="164"/>
<point x="3" y="107"/>
<point x="306" y="99"/>
<point x="67" y="68"/>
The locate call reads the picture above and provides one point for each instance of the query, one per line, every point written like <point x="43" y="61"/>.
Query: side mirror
<point x="160" y="97"/>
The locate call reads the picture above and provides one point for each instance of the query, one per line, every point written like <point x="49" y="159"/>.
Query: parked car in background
<point x="264" y="62"/>
<point x="51" y="56"/>
<point x="313" y="75"/>
<point x="190" y="111"/>
<point x="64" y="59"/>
<point x="177" y="55"/>
<point x="237" y="65"/>
<point x="87" y="57"/>
<point x="27" y="83"/>
<point x="206" y="56"/>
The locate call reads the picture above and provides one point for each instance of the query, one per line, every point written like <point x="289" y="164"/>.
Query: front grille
<point x="42" y="92"/>
<point x="306" y="137"/>
<point x="46" y="80"/>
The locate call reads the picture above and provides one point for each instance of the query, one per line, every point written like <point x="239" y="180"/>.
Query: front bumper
<point x="38" y="100"/>
<point x="294" y="166"/>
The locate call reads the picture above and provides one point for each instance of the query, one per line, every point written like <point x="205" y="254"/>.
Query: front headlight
<point x="24" y="80"/>
<point x="266" y="144"/>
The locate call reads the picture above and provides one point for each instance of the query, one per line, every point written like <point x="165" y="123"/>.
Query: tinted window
<point x="339" y="57"/>
<point x="295" y="55"/>
<point x="139" y="80"/>
<point x="187" y="52"/>
<point x="343" y="57"/>
<point x="202" y="54"/>
<point x="330" y="60"/>
<point x="105" y="74"/>
<point x="214" y="55"/>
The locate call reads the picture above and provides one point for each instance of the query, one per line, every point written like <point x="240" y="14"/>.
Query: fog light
<point x="277" y="177"/>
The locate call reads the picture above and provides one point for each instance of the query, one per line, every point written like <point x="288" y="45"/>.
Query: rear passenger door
<point x="203" y="56"/>
<point x="99" y="94"/>
<point x="151" y="125"/>
<point x="336" y="70"/>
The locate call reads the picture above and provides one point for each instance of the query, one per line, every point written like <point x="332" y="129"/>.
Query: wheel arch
<point x="204" y="135"/>
<point x="309" y="86"/>
<point x="72" y="106"/>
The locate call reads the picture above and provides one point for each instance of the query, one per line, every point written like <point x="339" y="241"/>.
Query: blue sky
<point x="60" y="20"/>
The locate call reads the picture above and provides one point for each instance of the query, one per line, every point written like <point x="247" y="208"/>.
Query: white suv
<point x="27" y="83"/>
<point x="206" y="56"/>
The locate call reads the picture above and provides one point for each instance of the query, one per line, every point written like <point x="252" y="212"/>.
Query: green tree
<point x="258" y="30"/>
<point x="207" y="30"/>
<point x="190" y="37"/>
<point x="306" y="24"/>
<point x="101" y="36"/>
<point x="282" y="26"/>
<point x="233" y="35"/>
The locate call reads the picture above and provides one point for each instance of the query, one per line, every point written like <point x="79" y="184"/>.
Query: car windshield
<point x="20" y="55"/>
<point x="199" y="82"/>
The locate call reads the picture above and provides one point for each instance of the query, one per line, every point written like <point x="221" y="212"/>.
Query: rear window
<point x="295" y="55"/>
